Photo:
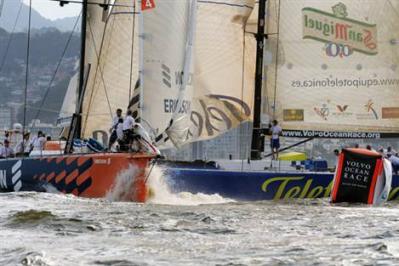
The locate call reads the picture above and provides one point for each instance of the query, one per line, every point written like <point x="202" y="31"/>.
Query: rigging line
<point x="3" y="61"/>
<point x="1" y="6"/>
<point x="91" y="3"/>
<point x="224" y="3"/>
<point x="123" y="13"/>
<point x="109" y="13"/>
<point x="96" y="70"/>
<point x="153" y="163"/>
<point x="291" y="146"/>
<point x="27" y="73"/>
<point x="393" y="7"/>
<point x="132" y="54"/>
<point x="98" y="65"/>
<point x="267" y="46"/>
<point x="242" y="96"/>
<point x="57" y="68"/>
<point x="277" y="57"/>
<point x="274" y="11"/>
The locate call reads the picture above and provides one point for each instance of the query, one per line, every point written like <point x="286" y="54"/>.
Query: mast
<point x="81" y="70"/>
<point x="27" y="74"/>
<point x="256" y="132"/>
<point x="1" y="6"/>
<point x="76" y="123"/>
<point x="141" y="61"/>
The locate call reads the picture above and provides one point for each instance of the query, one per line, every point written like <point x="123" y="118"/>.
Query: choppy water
<point x="54" y="229"/>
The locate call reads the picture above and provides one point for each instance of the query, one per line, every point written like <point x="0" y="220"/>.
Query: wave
<point x="161" y="192"/>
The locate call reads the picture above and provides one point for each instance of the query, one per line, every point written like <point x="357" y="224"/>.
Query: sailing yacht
<point x="189" y="67"/>
<point x="330" y="72"/>
<point x="93" y="174"/>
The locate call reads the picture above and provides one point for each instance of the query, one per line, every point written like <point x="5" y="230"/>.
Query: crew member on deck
<point x="392" y="151"/>
<point x="394" y="161"/>
<point x="23" y="147"/>
<point x="128" y="128"/>
<point x="276" y="132"/>
<point x="6" y="151"/>
<point x="119" y="132"/>
<point x="38" y="142"/>
<point x="6" y="137"/>
<point x="112" y="130"/>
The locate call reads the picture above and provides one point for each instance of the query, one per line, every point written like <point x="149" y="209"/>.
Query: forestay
<point x="335" y="71"/>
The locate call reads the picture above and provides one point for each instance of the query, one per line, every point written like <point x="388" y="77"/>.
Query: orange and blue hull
<point x="87" y="175"/>
<point x="94" y="176"/>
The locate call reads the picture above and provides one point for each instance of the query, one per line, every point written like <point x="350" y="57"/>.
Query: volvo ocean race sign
<point x="361" y="176"/>
<point x="336" y="28"/>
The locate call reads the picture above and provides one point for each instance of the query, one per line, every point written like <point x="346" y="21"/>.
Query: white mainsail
<point x="224" y="68"/>
<point x="339" y="74"/>
<point x="112" y="53"/>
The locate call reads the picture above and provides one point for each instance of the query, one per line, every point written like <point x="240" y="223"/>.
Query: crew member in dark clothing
<point x="115" y="120"/>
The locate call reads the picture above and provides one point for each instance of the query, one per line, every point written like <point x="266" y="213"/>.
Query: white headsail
<point x="112" y="53"/>
<point x="69" y="104"/>
<point x="166" y="83"/>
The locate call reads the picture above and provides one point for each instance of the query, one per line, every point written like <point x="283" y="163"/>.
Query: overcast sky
<point x="52" y="10"/>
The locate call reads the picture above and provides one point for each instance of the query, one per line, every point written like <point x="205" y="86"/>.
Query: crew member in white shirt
<point x="23" y="146"/>
<point x="38" y="142"/>
<point x="276" y="132"/>
<point x="129" y="121"/>
<point x="128" y="125"/>
<point x="119" y="129"/>
<point x="6" y="151"/>
<point x="119" y="134"/>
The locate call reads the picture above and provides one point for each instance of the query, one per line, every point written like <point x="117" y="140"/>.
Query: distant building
<point x="49" y="129"/>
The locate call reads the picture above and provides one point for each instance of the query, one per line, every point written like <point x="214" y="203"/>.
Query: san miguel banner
<point x="335" y="68"/>
<point x="339" y="29"/>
